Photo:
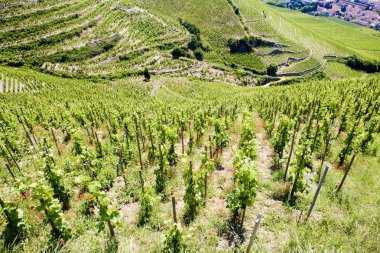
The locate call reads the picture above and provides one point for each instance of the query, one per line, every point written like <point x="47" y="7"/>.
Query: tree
<point x="194" y="43"/>
<point x="198" y="54"/>
<point x="243" y="45"/>
<point x="179" y="52"/>
<point x="146" y="75"/>
<point x="272" y="69"/>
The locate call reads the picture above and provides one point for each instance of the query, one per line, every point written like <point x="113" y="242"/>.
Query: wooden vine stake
<point x="211" y="154"/>
<point x="27" y="134"/>
<point x="296" y="128"/>
<point x="13" y="158"/>
<point x="55" y="141"/>
<point x="138" y="145"/>
<point x="317" y="192"/>
<point x="112" y="232"/>
<point x="182" y="140"/>
<point x="190" y="138"/>
<point x="89" y="135"/>
<point x="256" y="227"/>
<point x="346" y="172"/>
<point x="174" y="210"/>
<point x="141" y="181"/>
<point x="324" y="155"/>
<point x="204" y="202"/>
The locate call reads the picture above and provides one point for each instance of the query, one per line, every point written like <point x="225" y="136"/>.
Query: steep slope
<point x="310" y="38"/>
<point x="218" y="23"/>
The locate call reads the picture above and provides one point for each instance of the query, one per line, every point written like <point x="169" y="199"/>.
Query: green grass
<point x="320" y="35"/>
<point x="341" y="38"/>
<point x="336" y="70"/>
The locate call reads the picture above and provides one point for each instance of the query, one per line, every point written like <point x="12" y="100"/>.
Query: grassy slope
<point x="319" y="34"/>
<point x="329" y="36"/>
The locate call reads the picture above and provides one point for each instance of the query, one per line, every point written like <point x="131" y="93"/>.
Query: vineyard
<point x="103" y="165"/>
<point x="139" y="126"/>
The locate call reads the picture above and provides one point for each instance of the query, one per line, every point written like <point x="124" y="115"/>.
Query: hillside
<point x="186" y="126"/>
<point x="113" y="39"/>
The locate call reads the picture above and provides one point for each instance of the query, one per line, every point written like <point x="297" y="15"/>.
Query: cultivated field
<point x="140" y="126"/>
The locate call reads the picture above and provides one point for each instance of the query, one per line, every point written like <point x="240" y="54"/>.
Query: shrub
<point x="106" y="177"/>
<point x="146" y="75"/>
<point x="272" y="69"/>
<point x="246" y="44"/>
<point x="195" y="43"/>
<point x="243" y="192"/>
<point x="360" y="64"/>
<point x="179" y="52"/>
<point x="193" y="29"/>
<point x="173" y="240"/>
<point x="240" y="45"/>
<point x="148" y="200"/>
<point x="16" y="229"/>
<point x="198" y="53"/>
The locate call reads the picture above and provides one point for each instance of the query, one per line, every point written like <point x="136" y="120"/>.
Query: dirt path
<point x="271" y="238"/>
<point x="264" y="150"/>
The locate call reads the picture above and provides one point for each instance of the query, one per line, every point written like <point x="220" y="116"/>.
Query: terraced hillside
<point x="89" y="37"/>
<point x="113" y="39"/>
<point x="95" y="38"/>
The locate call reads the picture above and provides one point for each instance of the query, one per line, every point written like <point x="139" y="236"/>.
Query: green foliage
<point x="179" y="52"/>
<point x="16" y="229"/>
<point x="350" y="143"/>
<point x="281" y="136"/>
<point x="243" y="192"/>
<point x="32" y="30"/>
<point x="106" y="177"/>
<point x="246" y="44"/>
<point x="82" y="53"/>
<point x="198" y="53"/>
<point x="309" y="8"/>
<point x="146" y="75"/>
<point x="299" y="173"/>
<point x="192" y="28"/>
<point x="107" y="214"/>
<point x="272" y="69"/>
<point x="52" y="210"/>
<point x="195" y="43"/>
<point x="221" y="136"/>
<point x="368" y="136"/>
<point x="192" y="197"/>
<point x="77" y="144"/>
<point x="148" y="201"/>
<point x="55" y="177"/>
<point x="207" y="163"/>
<point x="50" y="40"/>
<point x="248" y="137"/>
<point x="173" y="240"/>
<point x="360" y="64"/>
<point x="161" y="173"/>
